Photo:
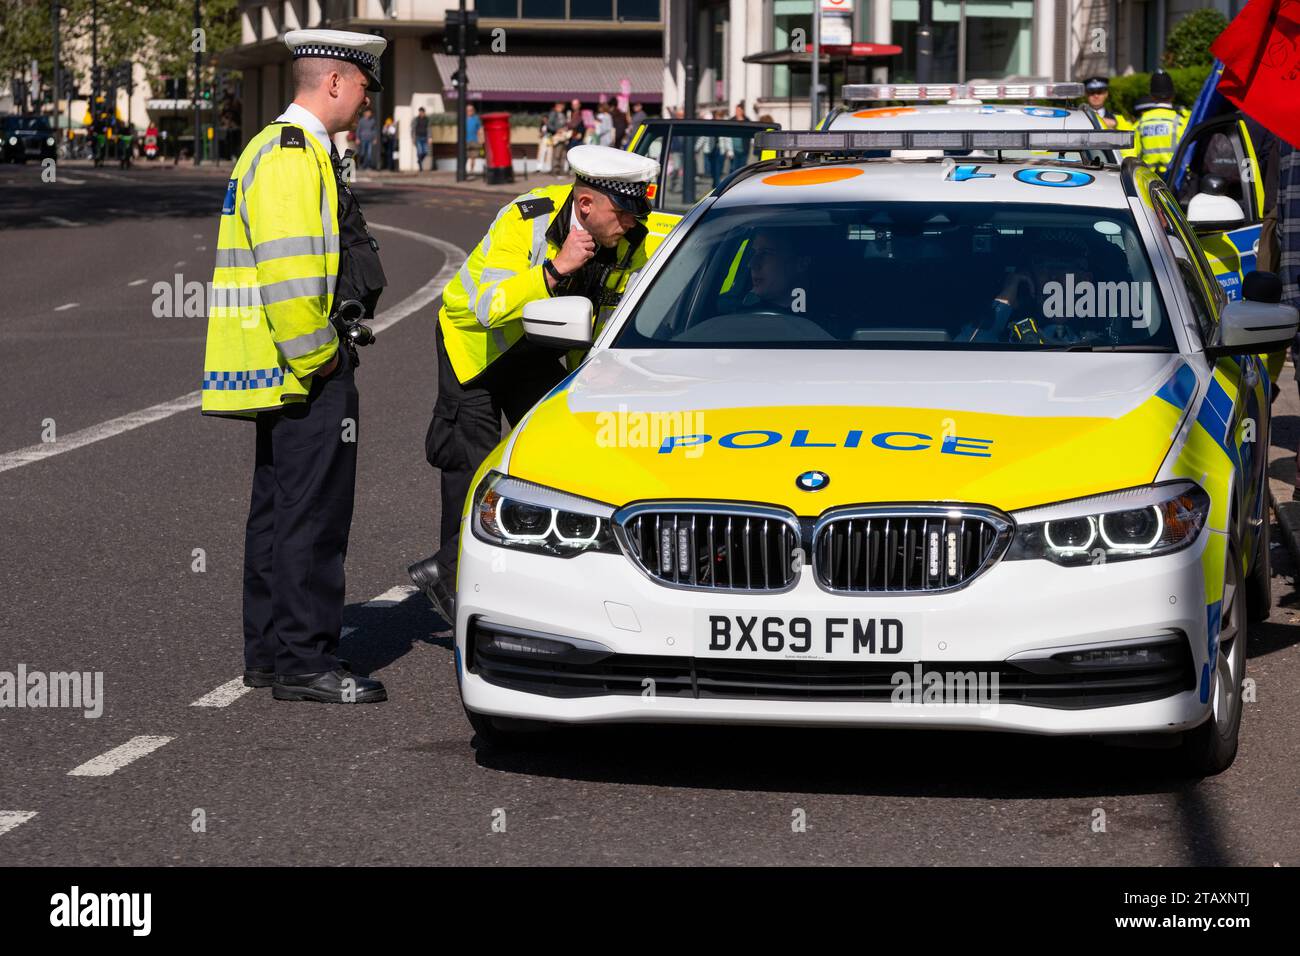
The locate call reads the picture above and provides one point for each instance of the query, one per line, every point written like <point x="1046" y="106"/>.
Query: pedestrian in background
<point x="473" y="137"/>
<point x="292" y="249"/>
<point x="367" y="135"/>
<point x="420" y="136"/>
<point x="390" y="144"/>
<point x="619" y="119"/>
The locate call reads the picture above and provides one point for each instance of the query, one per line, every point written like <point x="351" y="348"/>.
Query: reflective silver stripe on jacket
<point x="302" y="344"/>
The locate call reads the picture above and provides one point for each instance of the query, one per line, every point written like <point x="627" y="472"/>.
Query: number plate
<point x="813" y="637"/>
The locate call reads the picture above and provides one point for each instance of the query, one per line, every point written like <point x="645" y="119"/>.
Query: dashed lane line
<point x="417" y="300"/>
<point x="66" y="306"/>
<point x="117" y="758"/>
<point x="9" y="819"/>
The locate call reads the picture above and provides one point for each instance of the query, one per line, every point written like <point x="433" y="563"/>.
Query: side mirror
<point x="1210" y="213"/>
<point x="563" y="322"/>
<point x="1252" y="328"/>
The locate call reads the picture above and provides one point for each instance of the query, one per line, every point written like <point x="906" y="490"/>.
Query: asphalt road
<point x="97" y="566"/>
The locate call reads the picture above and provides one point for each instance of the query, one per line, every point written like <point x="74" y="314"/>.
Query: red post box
<point x="499" y="167"/>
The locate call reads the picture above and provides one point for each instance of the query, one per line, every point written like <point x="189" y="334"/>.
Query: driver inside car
<point x="779" y="275"/>
<point x="1033" y="307"/>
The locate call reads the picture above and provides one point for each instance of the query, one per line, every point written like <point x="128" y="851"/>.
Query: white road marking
<point x="198" y="235"/>
<point x="232" y="690"/>
<point x="14" y="818"/>
<point x="103" y="175"/>
<point x="66" y="306"/>
<point x="119" y="757"/>
<point x="179" y="263"/>
<point x="412" y="303"/>
<point x="223" y="696"/>
<point x="137" y="282"/>
<point x="72" y="182"/>
<point x="200" y="248"/>
<point x="393" y="596"/>
<point x="60" y="221"/>
<point x="455" y="258"/>
<point x="87" y="436"/>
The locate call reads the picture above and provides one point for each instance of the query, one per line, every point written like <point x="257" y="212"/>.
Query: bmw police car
<point x="888" y="443"/>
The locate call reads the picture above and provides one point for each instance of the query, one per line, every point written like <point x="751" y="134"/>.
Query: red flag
<point x="1260" y="51"/>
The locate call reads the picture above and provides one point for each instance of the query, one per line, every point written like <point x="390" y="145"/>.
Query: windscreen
<point x="908" y="275"/>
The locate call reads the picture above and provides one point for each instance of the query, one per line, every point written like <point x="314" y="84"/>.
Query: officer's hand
<point x="577" y="249"/>
<point x="326" y="370"/>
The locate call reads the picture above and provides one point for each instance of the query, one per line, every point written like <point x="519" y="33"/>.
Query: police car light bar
<point x="866" y="92"/>
<point x="848" y="141"/>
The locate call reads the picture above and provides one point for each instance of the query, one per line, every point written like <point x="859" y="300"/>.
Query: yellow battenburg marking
<point x="619" y="457"/>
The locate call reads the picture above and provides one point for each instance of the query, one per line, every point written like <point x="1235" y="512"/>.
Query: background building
<point x="531" y="53"/>
<point x="972" y="39"/>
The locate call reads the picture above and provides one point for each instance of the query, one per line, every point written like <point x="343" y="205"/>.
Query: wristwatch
<point x="549" y="266"/>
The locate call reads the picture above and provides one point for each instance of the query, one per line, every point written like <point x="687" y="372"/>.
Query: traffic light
<point x="454" y="31"/>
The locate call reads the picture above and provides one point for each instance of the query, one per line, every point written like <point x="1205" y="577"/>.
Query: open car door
<point x="694" y="156"/>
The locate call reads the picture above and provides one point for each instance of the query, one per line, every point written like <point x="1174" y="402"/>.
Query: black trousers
<point x="466" y="423"/>
<point x="298" y="524"/>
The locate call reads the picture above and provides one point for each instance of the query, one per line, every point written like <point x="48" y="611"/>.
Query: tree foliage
<point x="1189" y="41"/>
<point x="157" y="35"/>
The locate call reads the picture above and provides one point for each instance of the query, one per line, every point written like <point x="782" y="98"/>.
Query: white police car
<point x="886" y="443"/>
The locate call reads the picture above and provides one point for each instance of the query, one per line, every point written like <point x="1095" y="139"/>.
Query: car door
<point x="694" y="156"/>
<point x="1236" y="410"/>
<point x="1223" y="147"/>
<point x="1218" y="157"/>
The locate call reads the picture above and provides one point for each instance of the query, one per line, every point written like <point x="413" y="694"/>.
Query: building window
<point x="569" y="9"/>
<point x="591" y="9"/>
<point x="971" y="40"/>
<point x="787" y="17"/>
<point x="543" y="9"/>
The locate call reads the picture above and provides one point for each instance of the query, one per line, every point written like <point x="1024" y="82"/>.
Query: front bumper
<point x="1006" y="622"/>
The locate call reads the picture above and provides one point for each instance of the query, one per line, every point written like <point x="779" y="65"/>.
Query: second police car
<point x="891" y="443"/>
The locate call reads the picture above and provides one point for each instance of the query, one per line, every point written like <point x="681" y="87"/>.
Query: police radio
<point x="348" y="315"/>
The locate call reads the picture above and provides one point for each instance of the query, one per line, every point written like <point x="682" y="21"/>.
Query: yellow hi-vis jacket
<point x="1159" y="129"/>
<point x="483" y="305"/>
<point x="276" y="267"/>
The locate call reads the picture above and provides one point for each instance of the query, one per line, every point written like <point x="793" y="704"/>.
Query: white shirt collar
<point x="308" y="121"/>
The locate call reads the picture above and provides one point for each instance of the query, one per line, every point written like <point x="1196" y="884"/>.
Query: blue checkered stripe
<point x="235" y="381"/>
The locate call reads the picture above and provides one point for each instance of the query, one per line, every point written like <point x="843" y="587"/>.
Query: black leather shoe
<point x="259" y="676"/>
<point x="432" y="580"/>
<point x="329" y="687"/>
<point x="265" y="676"/>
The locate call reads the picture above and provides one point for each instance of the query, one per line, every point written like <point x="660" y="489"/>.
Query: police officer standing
<point x="295" y="271"/>
<point x="580" y="238"/>
<point x="1097" y="91"/>
<point x="1159" y="125"/>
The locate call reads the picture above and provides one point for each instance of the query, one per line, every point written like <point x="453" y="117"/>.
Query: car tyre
<point x="1259" y="584"/>
<point x="1210" y="748"/>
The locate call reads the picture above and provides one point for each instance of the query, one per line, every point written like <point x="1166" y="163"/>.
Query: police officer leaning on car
<point x="581" y="238"/>
<point x="293" y="249"/>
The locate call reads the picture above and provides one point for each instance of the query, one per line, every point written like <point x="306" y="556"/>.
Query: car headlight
<point x="49" y="141"/>
<point x="13" y="140"/>
<point x="1118" y="526"/>
<point x="519" y="514"/>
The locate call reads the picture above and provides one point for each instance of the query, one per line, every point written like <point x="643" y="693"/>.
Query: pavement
<point x="121" y="538"/>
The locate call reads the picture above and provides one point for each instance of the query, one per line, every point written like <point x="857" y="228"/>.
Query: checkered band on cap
<point x="360" y="57"/>
<point x="623" y="188"/>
